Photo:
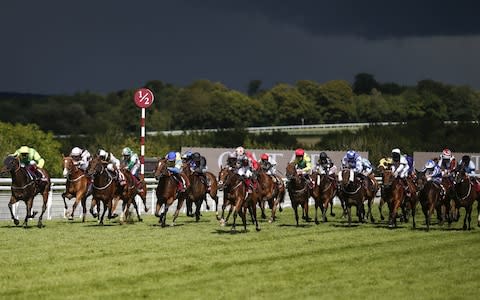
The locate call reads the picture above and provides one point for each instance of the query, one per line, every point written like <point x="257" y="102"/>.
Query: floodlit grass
<point x="74" y="260"/>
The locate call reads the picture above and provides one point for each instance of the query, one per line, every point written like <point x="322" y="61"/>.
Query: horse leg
<point x="468" y="216"/>
<point x="349" y="214"/>
<point x="274" y="209"/>
<point x="84" y="207"/>
<point x="163" y="216"/>
<point x="113" y="208"/>
<point x="316" y="212"/>
<point x="92" y="205"/>
<point x="331" y="209"/>
<point x="380" y="205"/>
<point x="324" y="208"/>
<point x="65" y="211"/>
<point x="254" y="213"/>
<point x="295" y="209"/>
<point x="44" y="208"/>
<point x="134" y="203"/>
<point x="370" y="204"/>
<point x="10" y="204"/>
<point x="103" y="213"/>
<point x="198" y="206"/>
<point x="29" y="204"/>
<point x="177" y="210"/>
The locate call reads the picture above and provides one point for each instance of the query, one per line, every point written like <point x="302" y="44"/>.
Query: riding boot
<point x="181" y="185"/>
<point x="249" y="184"/>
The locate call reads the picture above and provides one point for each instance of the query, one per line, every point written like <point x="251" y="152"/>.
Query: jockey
<point x="187" y="157"/>
<point x="232" y="160"/>
<point x="432" y="171"/>
<point x="268" y="164"/>
<point x="113" y="164"/>
<point x="467" y="165"/>
<point x="385" y="163"/>
<point x="132" y="164"/>
<point x="447" y="162"/>
<point x="198" y="165"/>
<point x="400" y="165"/>
<point x="174" y="165"/>
<point x="81" y="157"/>
<point x="244" y="166"/>
<point x="325" y="165"/>
<point x="353" y="161"/>
<point x="366" y="167"/>
<point x="240" y="151"/>
<point x="303" y="164"/>
<point x="31" y="159"/>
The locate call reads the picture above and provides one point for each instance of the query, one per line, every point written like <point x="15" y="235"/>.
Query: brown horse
<point x="223" y="175"/>
<point x="127" y="193"/>
<point x="167" y="192"/>
<point x="272" y="192"/>
<point x="25" y="188"/>
<point x="465" y="196"/>
<point x="352" y="193"/>
<point x="429" y="195"/>
<point x="298" y="191"/>
<point x="105" y="187"/>
<point x="323" y="192"/>
<point x="371" y="188"/>
<point x="196" y="193"/>
<point x="212" y="191"/>
<point x="76" y="187"/>
<point x="385" y="189"/>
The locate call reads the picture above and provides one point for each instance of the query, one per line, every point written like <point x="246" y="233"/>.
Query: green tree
<point x="364" y="83"/>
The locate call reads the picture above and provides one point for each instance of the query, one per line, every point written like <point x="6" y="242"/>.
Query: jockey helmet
<point x="76" y="152"/>
<point x="187" y="154"/>
<point x="396" y="154"/>
<point x="299" y="152"/>
<point x="196" y="156"/>
<point x="102" y="154"/>
<point x="351" y="154"/>
<point x="126" y="151"/>
<point x="23" y="150"/>
<point x="240" y="151"/>
<point x="323" y="155"/>
<point x="429" y="164"/>
<point x="446" y="154"/>
<point x="264" y="156"/>
<point x="465" y="159"/>
<point x="171" y="156"/>
<point x="232" y="155"/>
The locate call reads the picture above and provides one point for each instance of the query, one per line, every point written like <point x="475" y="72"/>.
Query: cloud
<point x="369" y="19"/>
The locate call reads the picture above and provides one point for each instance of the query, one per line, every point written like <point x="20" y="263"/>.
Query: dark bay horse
<point x="352" y="193"/>
<point x="196" y="193"/>
<point x="127" y="193"/>
<point x="223" y="177"/>
<point x="298" y="191"/>
<point x="465" y="196"/>
<point x="25" y="188"/>
<point x="371" y="188"/>
<point x="323" y="192"/>
<point x="76" y="187"/>
<point x="272" y="192"/>
<point x="167" y="192"/>
<point x="105" y="187"/>
<point x="213" y="190"/>
<point x="429" y="195"/>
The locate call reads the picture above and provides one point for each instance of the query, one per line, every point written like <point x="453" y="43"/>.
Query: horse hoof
<point x="258" y="229"/>
<point x="332" y="214"/>
<point x="39" y="225"/>
<point x="16" y="222"/>
<point x="70" y="218"/>
<point x="316" y="222"/>
<point x="280" y="209"/>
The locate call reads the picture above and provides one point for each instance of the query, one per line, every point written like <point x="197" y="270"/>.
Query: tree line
<point x="111" y="121"/>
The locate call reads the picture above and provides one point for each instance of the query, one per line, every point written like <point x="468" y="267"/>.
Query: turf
<point x="74" y="260"/>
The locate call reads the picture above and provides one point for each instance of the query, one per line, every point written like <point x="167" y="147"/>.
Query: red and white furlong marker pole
<point x="143" y="98"/>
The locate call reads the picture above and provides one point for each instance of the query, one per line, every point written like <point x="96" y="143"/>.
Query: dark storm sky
<point x="64" y="46"/>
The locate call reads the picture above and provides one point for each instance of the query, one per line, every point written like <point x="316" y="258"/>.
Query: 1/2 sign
<point x="143" y="98"/>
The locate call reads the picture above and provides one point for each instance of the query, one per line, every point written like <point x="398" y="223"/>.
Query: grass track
<point x="202" y="260"/>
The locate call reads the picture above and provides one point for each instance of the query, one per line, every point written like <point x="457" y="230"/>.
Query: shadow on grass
<point x="229" y="231"/>
<point x="167" y="225"/>
<point x="294" y="225"/>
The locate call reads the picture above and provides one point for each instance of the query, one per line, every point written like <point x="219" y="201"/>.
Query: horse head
<point x="387" y="178"/>
<point x="10" y="164"/>
<point x="68" y="166"/>
<point x="95" y="167"/>
<point x="420" y="179"/>
<point x="161" y="169"/>
<point x="223" y="177"/>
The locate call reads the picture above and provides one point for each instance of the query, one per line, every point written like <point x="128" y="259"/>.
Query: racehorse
<point x="323" y="193"/>
<point x="385" y="189"/>
<point x="371" y="189"/>
<point x="271" y="193"/>
<point x="213" y="190"/>
<point x="127" y="193"/>
<point x="465" y="195"/>
<point x="166" y="192"/>
<point x="197" y="193"/>
<point x="76" y="187"/>
<point x="298" y="191"/>
<point x="25" y="188"/>
<point x="352" y="193"/>
<point x="237" y="196"/>
<point x="105" y="187"/>
<point x="429" y="195"/>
